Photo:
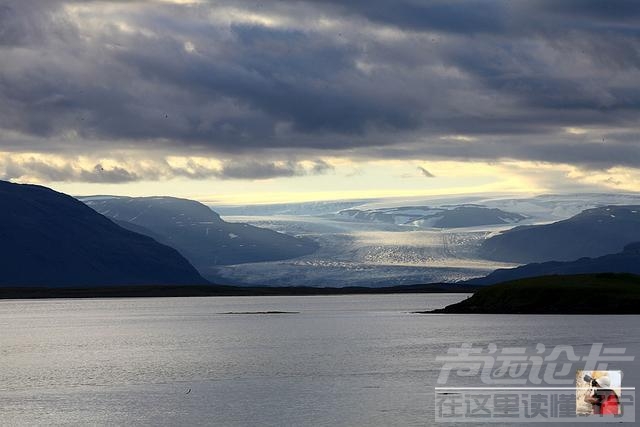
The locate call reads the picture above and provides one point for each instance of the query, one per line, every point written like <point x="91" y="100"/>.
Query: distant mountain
<point x="49" y="239"/>
<point x="541" y="208"/>
<point x="440" y="217"/>
<point x="546" y="207"/>
<point x="575" y="294"/>
<point x="591" y="233"/>
<point x="556" y="207"/>
<point x="627" y="261"/>
<point x="298" y="209"/>
<point x="198" y="232"/>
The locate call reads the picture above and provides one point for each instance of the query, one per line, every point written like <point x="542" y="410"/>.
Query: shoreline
<point x="598" y="293"/>
<point x="9" y="293"/>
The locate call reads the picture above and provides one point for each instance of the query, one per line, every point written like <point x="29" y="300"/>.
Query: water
<point x="341" y="360"/>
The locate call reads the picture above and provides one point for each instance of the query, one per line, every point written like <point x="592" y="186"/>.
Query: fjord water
<point x="333" y="360"/>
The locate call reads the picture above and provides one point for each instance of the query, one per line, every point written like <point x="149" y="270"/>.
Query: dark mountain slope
<point x="627" y="261"/>
<point x="51" y="239"/>
<point x="591" y="233"/>
<point x="199" y="233"/>
<point x="578" y="294"/>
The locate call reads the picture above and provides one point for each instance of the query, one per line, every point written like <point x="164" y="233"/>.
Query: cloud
<point x="38" y="168"/>
<point x="465" y="17"/>
<point x="255" y="170"/>
<point x="320" y="167"/>
<point x="100" y="174"/>
<point x="425" y="172"/>
<point x="242" y="169"/>
<point x="314" y="79"/>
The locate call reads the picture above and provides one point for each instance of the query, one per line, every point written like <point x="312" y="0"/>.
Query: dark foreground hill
<point x="627" y="261"/>
<point x="199" y="233"/>
<point x="221" y="290"/>
<point x="49" y="239"/>
<point x="578" y="294"/>
<point x="591" y="233"/>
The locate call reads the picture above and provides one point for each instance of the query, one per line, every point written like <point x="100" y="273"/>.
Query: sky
<point x="242" y="102"/>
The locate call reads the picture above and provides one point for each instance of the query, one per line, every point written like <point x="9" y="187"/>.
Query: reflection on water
<point x="342" y="360"/>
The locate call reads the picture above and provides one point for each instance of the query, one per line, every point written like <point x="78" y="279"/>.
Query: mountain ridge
<point x="198" y="232"/>
<point x="51" y="239"/>
<point x="627" y="261"/>
<point x="591" y="233"/>
<point x="444" y="216"/>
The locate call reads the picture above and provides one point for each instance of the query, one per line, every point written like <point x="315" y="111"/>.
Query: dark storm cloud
<point x="284" y="74"/>
<point x="618" y="10"/>
<point x="588" y="154"/>
<point x="457" y="16"/>
<point x="363" y="78"/>
<point x="496" y="18"/>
